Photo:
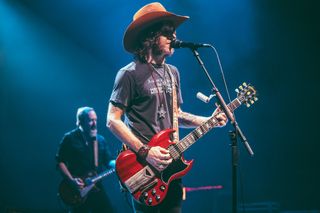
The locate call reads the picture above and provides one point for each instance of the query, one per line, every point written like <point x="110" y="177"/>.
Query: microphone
<point x="203" y="97"/>
<point x="182" y="44"/>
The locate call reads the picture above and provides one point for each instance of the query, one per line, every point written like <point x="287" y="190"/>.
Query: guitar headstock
<point x="246" y="94"/>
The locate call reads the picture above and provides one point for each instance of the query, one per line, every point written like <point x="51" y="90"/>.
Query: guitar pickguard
<point x="140" y="179"/>
<point x="174" y="168"/>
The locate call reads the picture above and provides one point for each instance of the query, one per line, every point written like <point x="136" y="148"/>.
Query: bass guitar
<point x="72" y="196"/>
<point x="149" y="186"/>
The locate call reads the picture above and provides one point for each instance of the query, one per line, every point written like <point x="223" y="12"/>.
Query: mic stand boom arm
<point x="223" y="104"/>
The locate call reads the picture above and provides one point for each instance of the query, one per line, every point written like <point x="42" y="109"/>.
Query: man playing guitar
<point x="83" y="154"/>
<point x="147" y="92"/>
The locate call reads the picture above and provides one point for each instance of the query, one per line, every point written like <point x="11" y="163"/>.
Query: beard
<point x="157" y="51"/>
<point x="93" y="133"/>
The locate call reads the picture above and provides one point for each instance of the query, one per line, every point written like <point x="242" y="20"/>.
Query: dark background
<point x="56" y="56"/>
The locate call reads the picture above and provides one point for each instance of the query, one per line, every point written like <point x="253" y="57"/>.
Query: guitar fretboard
<point x="104" y="174"/>
<point x="177" y="149"/>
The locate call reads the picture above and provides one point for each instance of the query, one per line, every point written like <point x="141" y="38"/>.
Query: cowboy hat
<point x="146" y="16"/>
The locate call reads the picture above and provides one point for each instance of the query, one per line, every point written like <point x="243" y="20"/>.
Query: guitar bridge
<point x="138" y="180"/>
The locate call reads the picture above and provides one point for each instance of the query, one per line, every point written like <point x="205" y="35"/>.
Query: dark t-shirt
<point x="78" y="155"/>
<point x="143" y="90"/>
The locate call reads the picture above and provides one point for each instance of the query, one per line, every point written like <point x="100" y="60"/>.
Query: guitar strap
<point x="175" y="124"/>
<point x="95" y="153"/>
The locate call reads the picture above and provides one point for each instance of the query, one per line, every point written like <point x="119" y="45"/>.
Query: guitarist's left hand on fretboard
<point x="221" y="118"/>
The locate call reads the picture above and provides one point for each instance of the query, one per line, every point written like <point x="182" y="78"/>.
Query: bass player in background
<point x="143" y="92"/>
<point x="84" y="153"/>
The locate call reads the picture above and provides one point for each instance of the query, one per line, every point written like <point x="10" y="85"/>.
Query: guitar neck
<point x="180" y="147"/>
<point x="102" y="175"/>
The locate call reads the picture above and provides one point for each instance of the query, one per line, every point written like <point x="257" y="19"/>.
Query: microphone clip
<point x="182" y="44"/>
<point x="204" y="98"/>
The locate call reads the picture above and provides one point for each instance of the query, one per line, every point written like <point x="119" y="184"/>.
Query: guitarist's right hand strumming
<point x="78" y="183"/>
<point x="159" y="158"/>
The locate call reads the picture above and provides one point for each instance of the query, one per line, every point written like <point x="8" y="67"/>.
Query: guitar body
<point x="70" y="195"/>
<point x="145" y="183"/>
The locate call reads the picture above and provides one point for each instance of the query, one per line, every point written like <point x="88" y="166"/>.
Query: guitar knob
<point x="162" y="188"/>
<point x="153" y="192"/>
<point x="145" y="195"/>
<point x="150" y="201"/>
<point x="158" y="197"/>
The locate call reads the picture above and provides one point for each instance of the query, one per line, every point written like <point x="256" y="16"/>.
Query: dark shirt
<point x="78" y="154"/>
<point x="140" y="90"/>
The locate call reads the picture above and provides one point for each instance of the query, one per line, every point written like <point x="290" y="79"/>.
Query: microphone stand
<point x="233" y="134"/>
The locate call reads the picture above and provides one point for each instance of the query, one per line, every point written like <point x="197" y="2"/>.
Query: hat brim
<point x="130" y="39"/>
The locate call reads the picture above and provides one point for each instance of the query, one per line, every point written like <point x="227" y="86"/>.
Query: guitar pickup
<point x="149" y="186"/>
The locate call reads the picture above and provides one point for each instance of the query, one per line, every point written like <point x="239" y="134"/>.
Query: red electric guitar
<point x="147" y="184"/>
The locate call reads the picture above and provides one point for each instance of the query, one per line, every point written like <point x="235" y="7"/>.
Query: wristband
<point x="143" y="152"/>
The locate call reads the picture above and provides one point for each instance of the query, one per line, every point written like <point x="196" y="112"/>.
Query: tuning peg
<point x="252" y="101"/>
<point x="244" y="84"/>
<point x="240" y="87"/>
<point x="255" y="98"/>
<point x="247" y="104"/>
<point x="237" y="90"/>
<point x="248" y="93"/>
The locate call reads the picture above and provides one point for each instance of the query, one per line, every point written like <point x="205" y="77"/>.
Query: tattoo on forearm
<point x="190" y="120"/>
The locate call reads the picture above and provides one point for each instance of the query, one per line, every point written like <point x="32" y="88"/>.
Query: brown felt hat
<point x="145" y="17"/>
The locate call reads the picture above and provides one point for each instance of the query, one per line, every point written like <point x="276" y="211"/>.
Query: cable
<point x="222" y="73"/>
